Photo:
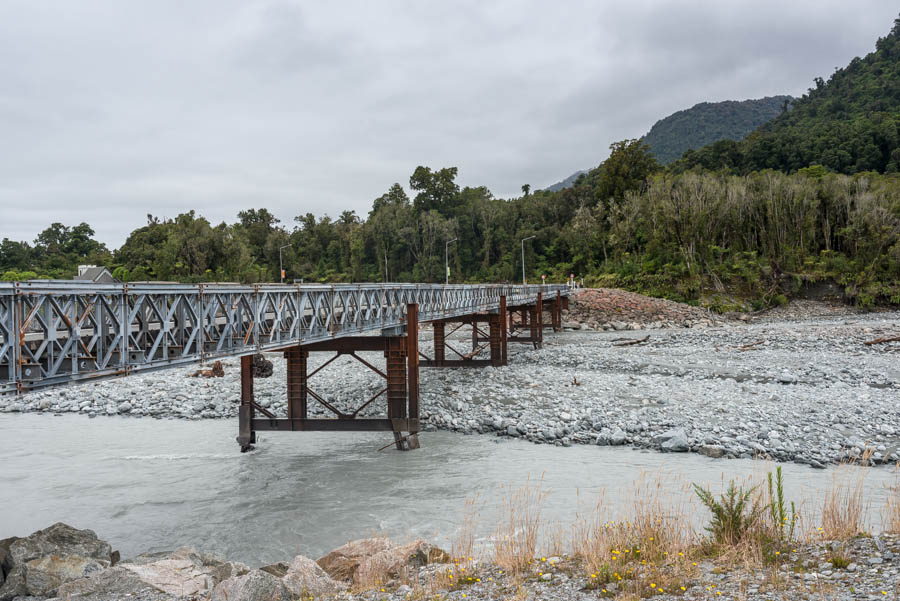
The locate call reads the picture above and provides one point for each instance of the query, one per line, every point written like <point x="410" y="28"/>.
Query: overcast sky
<point x="110" y="110"/>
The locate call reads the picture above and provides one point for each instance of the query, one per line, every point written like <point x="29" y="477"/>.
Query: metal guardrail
<point x="57" y="332"/>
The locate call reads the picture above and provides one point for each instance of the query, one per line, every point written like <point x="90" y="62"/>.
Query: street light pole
<point x="447" y="258"/>
<point x="523" y="258"/>
<point x="281" y="263"/>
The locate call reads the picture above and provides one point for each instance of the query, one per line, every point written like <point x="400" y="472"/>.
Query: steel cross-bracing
<point x="60" y="332"/>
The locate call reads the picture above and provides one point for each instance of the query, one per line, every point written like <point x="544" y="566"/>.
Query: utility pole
<point x="523" y="258"/>
<point x="447" y="257"/>
<point x="281" y="263"/>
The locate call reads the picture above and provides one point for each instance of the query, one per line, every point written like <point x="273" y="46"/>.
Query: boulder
<point x="44" y="575"/>
<point x="59" y="539"/>
<point x="183" y="572"/>
<point x="279" y="570"/>
<point x="38" y="564"/>
<point x="617" y="437"/>
<point x="305" y="578"/>
<point x="399" y="561"/>
<point x="5" y="559"/>
<point x="343" y="562"/>
<point x="712" y="450"/>
<point x="253" y="586"/>
<point x="116" y="582"/>
<point x="676" y="443"/>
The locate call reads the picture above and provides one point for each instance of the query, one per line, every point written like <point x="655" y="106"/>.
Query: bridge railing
<point x="55" y="332"/>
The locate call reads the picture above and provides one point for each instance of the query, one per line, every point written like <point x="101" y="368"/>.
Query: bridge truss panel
<point x="58" y="332"/>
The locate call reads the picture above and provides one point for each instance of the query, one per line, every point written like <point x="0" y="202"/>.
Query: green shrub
<point x="735" y="514"/>
<point x="782" y="522"/>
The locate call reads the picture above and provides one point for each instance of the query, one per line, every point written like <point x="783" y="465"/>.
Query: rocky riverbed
<point x="803" y="387"/>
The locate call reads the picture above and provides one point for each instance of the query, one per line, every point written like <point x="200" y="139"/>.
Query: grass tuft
<point x="891" y="516"/>
<point x="516" y="538"/>
<point x="845" y="508"/>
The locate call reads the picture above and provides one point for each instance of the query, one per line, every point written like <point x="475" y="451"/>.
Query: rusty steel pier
<point x="54" y="333"/>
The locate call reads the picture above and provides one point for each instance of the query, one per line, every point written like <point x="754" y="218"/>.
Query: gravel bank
<point x="803" y="389"/>
<point x="613" y="309"/>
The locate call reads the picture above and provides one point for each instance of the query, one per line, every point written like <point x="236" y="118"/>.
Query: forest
<point x="848" y="124"/>
<point x="812" y="196"/>
<point x="709" y="122"/>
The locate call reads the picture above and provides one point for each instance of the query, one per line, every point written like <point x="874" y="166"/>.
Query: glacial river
<point x="148" y="485"/>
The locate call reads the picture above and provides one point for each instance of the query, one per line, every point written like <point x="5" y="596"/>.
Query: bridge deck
<point x="58" y="332"/>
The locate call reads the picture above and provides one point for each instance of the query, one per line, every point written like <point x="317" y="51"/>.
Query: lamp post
<point x="447" y="258"/>
<point x="523" y="257"/>
<point x="281" y="263"/>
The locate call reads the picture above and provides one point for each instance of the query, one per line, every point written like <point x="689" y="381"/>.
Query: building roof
<point x="96" y="274"/>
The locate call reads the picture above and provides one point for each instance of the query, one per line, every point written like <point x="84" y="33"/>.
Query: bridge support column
<point x="439" y="342"/>
<point x="297" y="394"/>
<point x="481" y="340"/>
<point x="395" y="362"/>
<point x="412" y="373"/>
<point x="532" y="321"/>
<point x="495" y="326"/>
<point x="401" y="374"/>
<point x="246" y="434"/>
<point x="556" y="313"/>
<point x="504" y="356"/>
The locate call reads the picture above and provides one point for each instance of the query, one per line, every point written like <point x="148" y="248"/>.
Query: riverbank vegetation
<point x="755" y="541"/>
<point x="814" y="196"/>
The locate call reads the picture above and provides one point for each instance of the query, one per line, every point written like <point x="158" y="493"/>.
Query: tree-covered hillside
<point x="709" y="122"/>
<point x="848" y="124"/>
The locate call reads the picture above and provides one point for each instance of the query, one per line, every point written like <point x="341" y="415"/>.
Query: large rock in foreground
<point x="184" y="572"/>
<point x="304" y="577"/>
<point x="114" y="582"/>
<point x="38" y="564"/>
<point x="371" y="560"/>
<point x="343" y="562"/>
<point x="5" y="560"/>
<point x="253" y="586"/>
<point x="399" y="561"/>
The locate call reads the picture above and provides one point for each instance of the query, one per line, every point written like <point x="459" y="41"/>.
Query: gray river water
<point x="149" y="485"/>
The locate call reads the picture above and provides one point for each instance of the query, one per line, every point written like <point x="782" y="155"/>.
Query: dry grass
<point x="557" y="539"/>
<point x="516" y="538"/>
<point x="645" y="551"/>
<point x="845" y="509"/>
<point x="463" y="546"/>
<point x="650" y="547"/>
<point x="890" y="515"/>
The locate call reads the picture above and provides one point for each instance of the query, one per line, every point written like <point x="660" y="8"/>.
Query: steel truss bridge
<point x="61" y="332"/>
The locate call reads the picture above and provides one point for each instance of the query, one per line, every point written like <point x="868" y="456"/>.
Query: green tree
<point x="435" y="190"/>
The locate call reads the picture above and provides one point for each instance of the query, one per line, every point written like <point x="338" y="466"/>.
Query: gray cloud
<point x="112" y="110"/>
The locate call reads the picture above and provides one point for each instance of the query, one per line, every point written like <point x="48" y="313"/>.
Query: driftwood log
<point x="634" y="341"/>
<point x="216" y="371"/>
<point x="882" y="340"/>
<point x="750" y="346"/>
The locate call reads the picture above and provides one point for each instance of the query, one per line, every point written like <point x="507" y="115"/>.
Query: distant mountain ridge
<point x="701" y="125"/>
<point x="709" y="122"/>
<point x="847" y="124"/>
